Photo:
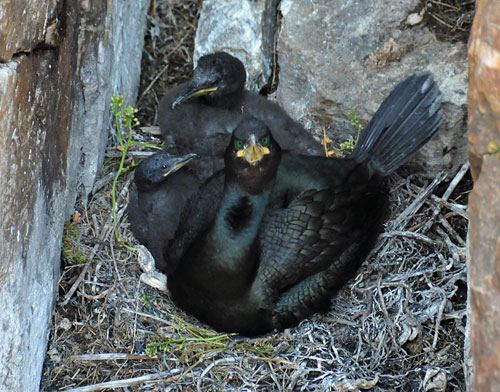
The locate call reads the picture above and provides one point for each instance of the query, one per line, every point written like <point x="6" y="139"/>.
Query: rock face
<point x="484" y="201"/>
<point x="335" y="56"/>
<point x="243" y="28"/>
<point x="55" y="85"/>
<point x="15" y="16"/>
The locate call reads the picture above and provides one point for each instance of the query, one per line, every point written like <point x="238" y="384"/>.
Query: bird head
<point x="155" y="169"/>
<point x="252" y="157"/>
<point x="216" y="75"/>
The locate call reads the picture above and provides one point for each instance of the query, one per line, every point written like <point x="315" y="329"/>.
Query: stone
<point x="55" y="86"/>
<point x="112" y="64"/>
<point x="336" y="56"/>
<point x="484" y="200"/>
<point x="243" y="28"/>
<point x="24" y="24"/>
<point x="28" y="272"/>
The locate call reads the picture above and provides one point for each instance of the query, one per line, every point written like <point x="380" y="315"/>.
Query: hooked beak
<point x="252" y="151"/>
<point x="179" y="162"/>
<point x="193" y="91"/>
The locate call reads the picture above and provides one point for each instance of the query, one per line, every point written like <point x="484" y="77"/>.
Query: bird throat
<point x="230" y="100"/>
<point x="237" y="223"/>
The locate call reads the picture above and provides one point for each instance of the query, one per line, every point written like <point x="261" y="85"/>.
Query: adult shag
<point x="290" y="230"/>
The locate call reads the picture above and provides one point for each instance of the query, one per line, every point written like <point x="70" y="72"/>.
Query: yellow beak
<point x="179" y="162"/>
<point x="193" y="93"/>
<point x="252" y="151"/>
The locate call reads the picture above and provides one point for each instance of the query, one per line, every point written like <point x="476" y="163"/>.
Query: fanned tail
<point x="406" y="120"/>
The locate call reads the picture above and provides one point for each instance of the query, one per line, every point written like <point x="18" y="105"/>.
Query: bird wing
<point x="328" y="231"/>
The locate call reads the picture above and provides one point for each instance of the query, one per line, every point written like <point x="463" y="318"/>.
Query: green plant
<point x="146" y="301"/>
<point x="355" y="122"/>
<point x="71" y="254"/>
<point x="189" y="341"/>
<point x="125" y="122"/>
<point x="348" y="145"/>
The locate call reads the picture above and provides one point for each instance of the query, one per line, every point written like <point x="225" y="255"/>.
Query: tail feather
<point x="406" y="120"/>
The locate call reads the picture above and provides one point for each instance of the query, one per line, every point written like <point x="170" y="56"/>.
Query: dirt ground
<point x="398" y="326"/>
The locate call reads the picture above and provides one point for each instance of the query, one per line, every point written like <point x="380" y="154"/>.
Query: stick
<point x="99" y="184"/>
<point x="126" y="382"/>
<point x="409" y="234"/>
<point x="447" y="194"/>
<point x="150" y="316"/>
<point x="207" y="369"/>
<point x="419" y="200"/>
<point x="109" y="356"/>
<point x="75" y="285"/>
<point x="410" y="210"/>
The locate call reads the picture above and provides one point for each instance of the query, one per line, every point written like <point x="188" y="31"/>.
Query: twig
<point x="150" y="316"/>
<point x="98" y="296"/>
<point x="456" y="208"/>
<point x="453" y="184"/>
<point x="152" y="130"/>
<point x="410" y="210"/>
<point x="409" y="234"/>
<point x="75" y="285"/>
<point x="438" y="321"/>
<point x="386" y="313"/>
<point x="126" y="382"/>
<point x="101" y="183"/>
<point x="451" y="246"/>
<point x="441" y="21"/>
<point x="446" y="5"/>
<point x="419" y="200"/>
<point x="110" y="356"/>
<point x="136" y="154"/>
<point x="451" y="230"/>
<point x="181" y="41"/>
<point x="146" y="90"/>
<point x="298" y="373"/>
<point x="208" y="368"/>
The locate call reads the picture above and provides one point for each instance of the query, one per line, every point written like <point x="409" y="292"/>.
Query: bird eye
<point x="265" y="140"/>
<point x="239" y="144"/>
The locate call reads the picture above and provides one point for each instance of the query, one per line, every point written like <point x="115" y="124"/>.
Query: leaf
<point x="76" y="217"/>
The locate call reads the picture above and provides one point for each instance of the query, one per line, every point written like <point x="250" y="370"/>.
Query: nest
<point x="450" y="20"/>
<point x="399" y="325"/>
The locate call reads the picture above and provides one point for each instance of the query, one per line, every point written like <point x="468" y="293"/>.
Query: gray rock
<point x="242" y="28"/>
<point x="335" y="56"/>
<point x="110" y="65"/>
<point x="55" y="120"/>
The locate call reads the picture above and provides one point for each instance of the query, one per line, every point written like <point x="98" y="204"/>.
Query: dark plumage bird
<point x="290" y="229"/>
<point x="154" y="204"/>
<point x="201" y="114"/>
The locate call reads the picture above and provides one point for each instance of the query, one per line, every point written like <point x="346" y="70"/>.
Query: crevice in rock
<point x="273" y="15"/>
<point x="449" y="20"/>
<point x="40" y="48"/>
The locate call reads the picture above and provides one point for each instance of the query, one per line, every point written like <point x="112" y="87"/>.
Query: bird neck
<point x="143" y="184"/>
<point x="229" y="100"/>
<point x="236" y="226"/>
